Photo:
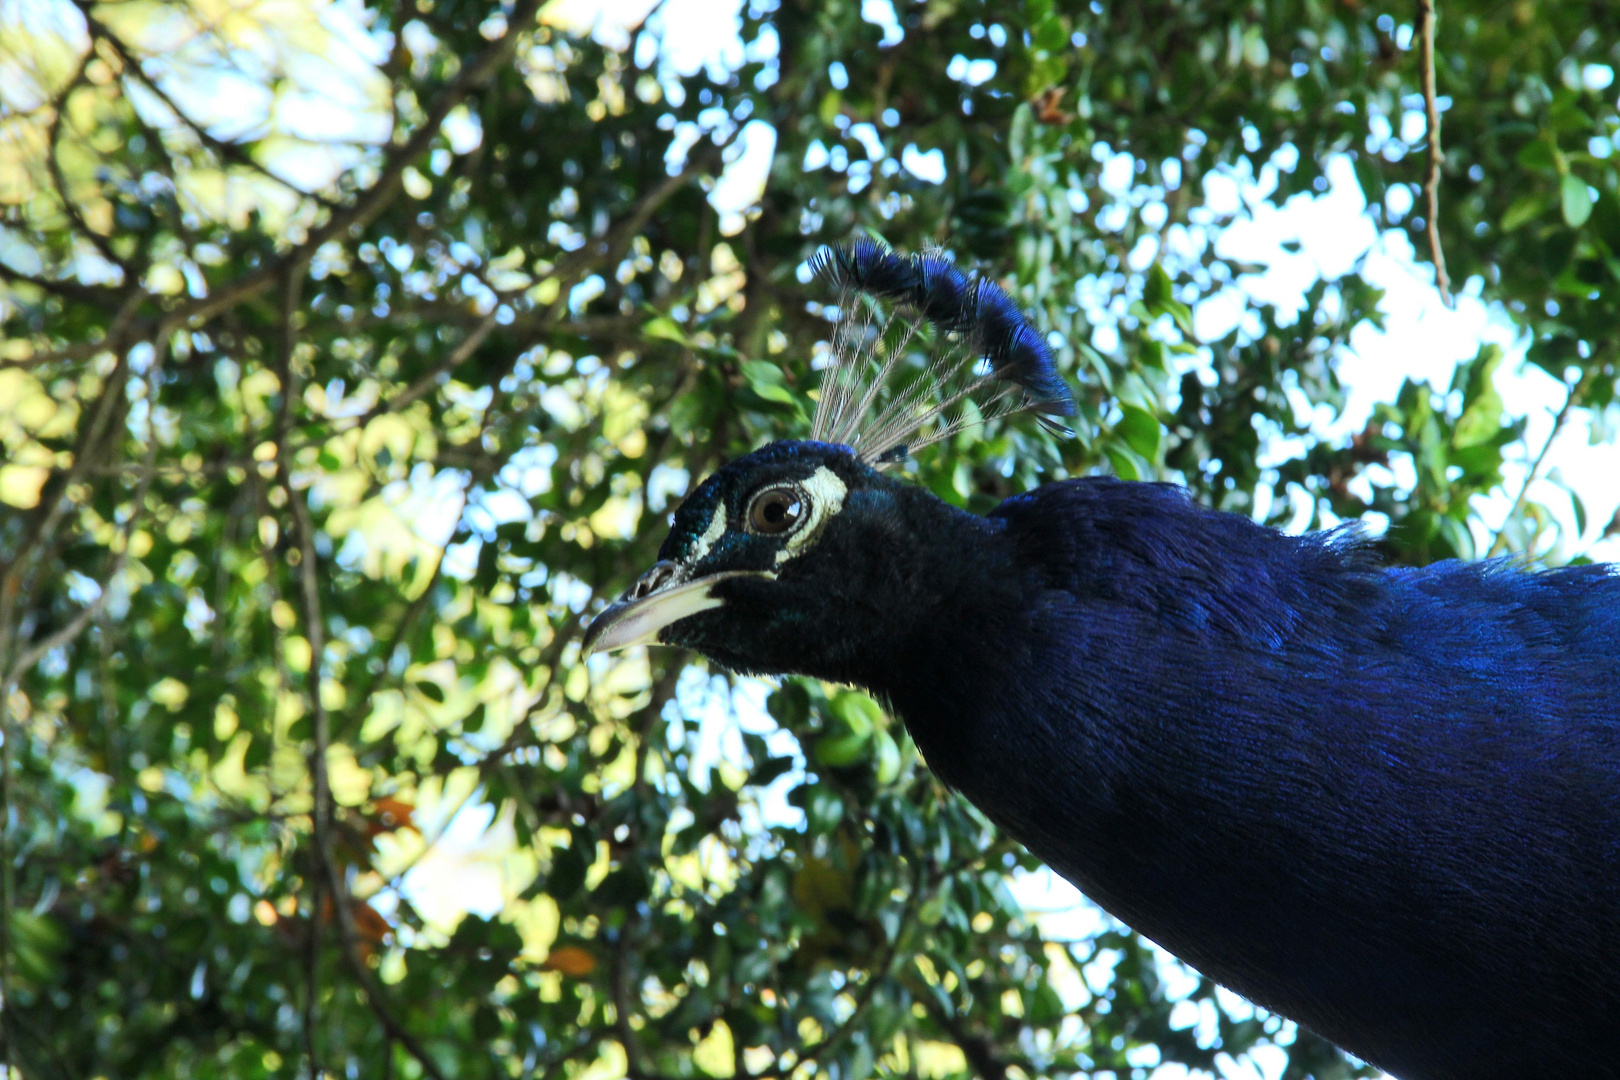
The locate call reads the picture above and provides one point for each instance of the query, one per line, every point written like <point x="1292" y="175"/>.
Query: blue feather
<point x="1384" y="802"/>
<point x="976" y="308"/>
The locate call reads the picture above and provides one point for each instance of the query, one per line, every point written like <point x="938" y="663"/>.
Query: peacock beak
<point x="659" y="597"/>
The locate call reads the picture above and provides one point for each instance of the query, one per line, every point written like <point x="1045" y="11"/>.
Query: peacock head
<point x="766" y="566"/>
<point x="802" y="556"/>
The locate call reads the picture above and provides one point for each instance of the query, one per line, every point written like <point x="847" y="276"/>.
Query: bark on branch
<point x="1431" y="178"/>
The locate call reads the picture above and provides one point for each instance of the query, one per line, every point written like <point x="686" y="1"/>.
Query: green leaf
<point x="766" y="380"/>
<point x="1158" y="298"/>
<point x="37" y="942"/>
<point x="567" y="872"/>
<point x="1480" y="462"/>
<point x="1151" y="354"/>
<point x="1566" y="115"/>
<point x="859" y="713"/>
<point x="1140" y="430"/>
<point x="1479" y="423"/>
<point x="886" y="755"/>
<point x="824" y="808"/>
<point x="1045" y="1006"/>
<point x="790" y="705"/>
<point x="1539" y="154"/>
<point x="769" y="769"/>
<point x="1018" y="135"/>
<point x="1481" y="418"/>
<point x="664" y="328"/>
<point x="430" y="690"/>
<point x="1124" y="467"/>
<point x="1525" y="208"/>
<point x="1157" y="288"/>
<point x="840" y="750"/>
<point x="831" y="106"/>
<point x="1576" y="199"/>
<point x="1182" y="314"/>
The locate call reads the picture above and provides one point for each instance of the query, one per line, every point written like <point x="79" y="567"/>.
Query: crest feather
<point x="986" y="353"/>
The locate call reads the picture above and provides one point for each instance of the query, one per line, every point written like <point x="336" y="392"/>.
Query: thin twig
<point x="79" y="350"/>
<point x="882" y="971"/>
<point x="327" y="879"/>
<point x="452" y="360"/>
<point x="94" y="295"/>
<point x="663" y="691"/>
<point x="1498" y="544"/>
<point x="375" y="199"/>
<point x="53" y="164"/>
<point x="8" y="736"/>
<point x="76" y="626"/>
<point x="227" y="151"/>
<point x="522" y="734"/>
<point x="1431" y="179"/>
<point x="111" y="341"/>
<point x="362" y="696"/>
<point x="53" y="504"/>
<point x="362" y="974"/>
<point x="612" y="247"/>
<point x="924" y="885"/>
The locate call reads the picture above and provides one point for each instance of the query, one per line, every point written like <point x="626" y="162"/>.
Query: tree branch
<point x="327" y="876"/>
<point x="96" y="295"/>
<point x="452" y="360"/>
<point x="53" y="134"/>
<point x="612" y="247"/>
<point x="111" y="341"/>
<point x="314" y="625"/>
<point x="375" y="199"/>
<point x="11" y="670"/>
<point x="594" y="255"/>
<point x="227" y="151"/>
<point x="76" y="626"/>
<point x="663" y="691"/>
<point x="52" y="506"/>
<point x="1431" y="179"/>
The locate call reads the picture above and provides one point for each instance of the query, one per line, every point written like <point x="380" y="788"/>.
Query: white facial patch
<point x="825" y="494"/>
<point x="716" y="529"/>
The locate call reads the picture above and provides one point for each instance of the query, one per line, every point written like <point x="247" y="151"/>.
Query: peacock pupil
<point x="775" y="511"/>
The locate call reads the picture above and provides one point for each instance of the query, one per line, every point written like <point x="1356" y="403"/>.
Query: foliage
<point x="345" y="369"/>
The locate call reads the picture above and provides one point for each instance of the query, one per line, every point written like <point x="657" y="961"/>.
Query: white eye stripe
<point x="716" y="529"/>
<point x="824" y="495"/>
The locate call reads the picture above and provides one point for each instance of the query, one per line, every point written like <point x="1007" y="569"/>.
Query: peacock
<point x="1381" y="801"/>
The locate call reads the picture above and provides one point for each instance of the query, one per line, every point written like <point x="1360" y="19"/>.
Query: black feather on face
<point x="796" y="559"/>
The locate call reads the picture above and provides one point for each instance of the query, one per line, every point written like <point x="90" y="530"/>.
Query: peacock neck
<point x="1283" y="765"/>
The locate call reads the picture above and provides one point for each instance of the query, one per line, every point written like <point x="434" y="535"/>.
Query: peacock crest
<point x="950" y="351"/>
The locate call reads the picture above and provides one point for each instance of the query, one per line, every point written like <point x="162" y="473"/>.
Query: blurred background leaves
<point x="351" y="355"/>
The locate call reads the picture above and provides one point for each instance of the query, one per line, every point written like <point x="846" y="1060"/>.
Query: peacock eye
<point x="776" y="510"/>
